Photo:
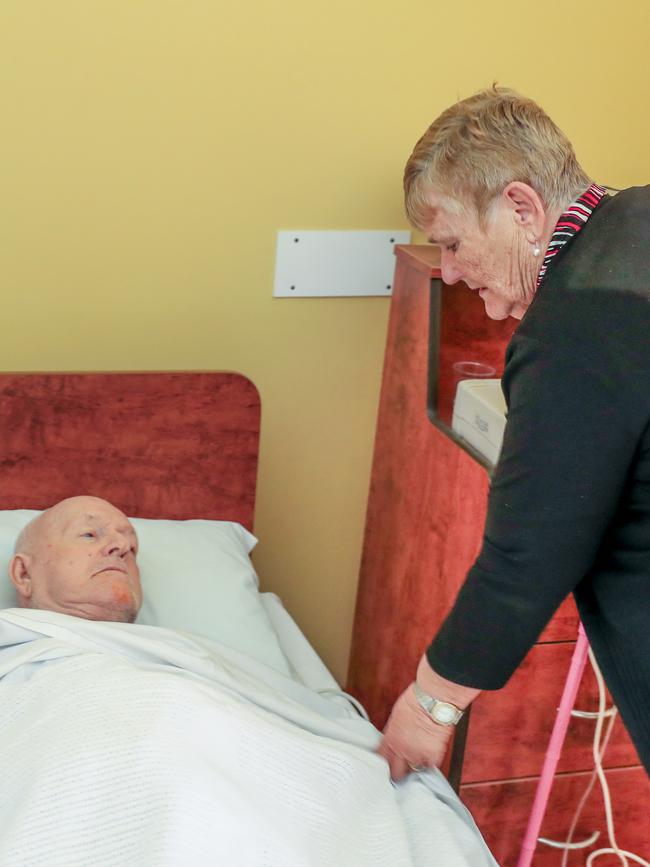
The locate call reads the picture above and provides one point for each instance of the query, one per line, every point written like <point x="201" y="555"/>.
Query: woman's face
<point x="496" y="261"/>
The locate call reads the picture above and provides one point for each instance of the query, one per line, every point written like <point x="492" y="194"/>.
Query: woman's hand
<point x="411" y="738"/>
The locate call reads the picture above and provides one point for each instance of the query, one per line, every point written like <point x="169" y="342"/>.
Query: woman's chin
<point x="496" y="311"/>
<point x="498" y="308"/>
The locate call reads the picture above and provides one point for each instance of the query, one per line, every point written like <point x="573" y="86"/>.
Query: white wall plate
<point x="318" y="263"/>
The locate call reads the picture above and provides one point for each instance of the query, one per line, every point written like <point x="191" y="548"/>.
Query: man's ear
<point x="19" y="567"/>
<point x="527" y="208"/>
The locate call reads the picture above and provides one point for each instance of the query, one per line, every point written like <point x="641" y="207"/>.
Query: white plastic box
<point x="480" y="415"/>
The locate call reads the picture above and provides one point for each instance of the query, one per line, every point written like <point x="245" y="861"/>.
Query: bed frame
<point x="156" y="445"/>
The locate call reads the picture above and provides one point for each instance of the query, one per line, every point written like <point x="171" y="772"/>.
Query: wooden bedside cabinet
<point x="424" y="525"/>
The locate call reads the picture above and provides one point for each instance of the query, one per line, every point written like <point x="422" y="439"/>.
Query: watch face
<point x="444" y="713"/>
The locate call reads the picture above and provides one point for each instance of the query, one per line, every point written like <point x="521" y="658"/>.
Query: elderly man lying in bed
<point x="79" y="558"/>
<point x="126" y="744"/>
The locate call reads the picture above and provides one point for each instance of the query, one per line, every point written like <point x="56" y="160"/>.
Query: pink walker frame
<point x="554" y="749"/>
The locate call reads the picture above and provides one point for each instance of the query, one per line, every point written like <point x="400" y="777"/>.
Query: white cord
<point x="568" y="846"/>
<point x="613" y="848"/>
<point x="587" y="792"/>
<point x="598" y="750"/>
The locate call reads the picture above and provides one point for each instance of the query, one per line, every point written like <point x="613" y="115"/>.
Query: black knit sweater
<point x="569" y="505"/>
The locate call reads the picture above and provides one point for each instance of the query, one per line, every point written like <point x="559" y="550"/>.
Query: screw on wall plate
<point x="388" y="287"/>
<point x="295" y="240"/>
<point x="292" y="288"/>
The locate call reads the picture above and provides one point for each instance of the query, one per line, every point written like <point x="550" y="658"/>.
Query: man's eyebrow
<point x="89" y="518"/>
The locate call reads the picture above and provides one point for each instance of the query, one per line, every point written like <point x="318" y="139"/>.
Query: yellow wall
<point x="150" y="150"/>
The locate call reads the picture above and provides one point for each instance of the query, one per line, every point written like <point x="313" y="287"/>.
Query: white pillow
<point x="196" y="576"/>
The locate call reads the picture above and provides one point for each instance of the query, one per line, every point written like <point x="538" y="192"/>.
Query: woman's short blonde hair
<point x="480" y="145"/>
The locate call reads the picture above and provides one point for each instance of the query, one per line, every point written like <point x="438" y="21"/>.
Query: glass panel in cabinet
<point x="464" y="343"/>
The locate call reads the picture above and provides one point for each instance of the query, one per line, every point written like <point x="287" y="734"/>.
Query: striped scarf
<point x="570" y="223"/>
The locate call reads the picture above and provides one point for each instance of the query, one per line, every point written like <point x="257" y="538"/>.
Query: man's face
<point x="81" y="560"/>
<point x="490" y="260"/>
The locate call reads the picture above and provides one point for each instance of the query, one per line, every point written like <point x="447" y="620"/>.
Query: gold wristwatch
<point x="442" y="712"/>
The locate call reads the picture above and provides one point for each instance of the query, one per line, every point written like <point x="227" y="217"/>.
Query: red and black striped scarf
<point x="570" y="223"/>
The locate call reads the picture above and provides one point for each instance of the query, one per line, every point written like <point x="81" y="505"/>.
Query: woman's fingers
<point x="398" y="765"/>
<point x="411" y="738"/>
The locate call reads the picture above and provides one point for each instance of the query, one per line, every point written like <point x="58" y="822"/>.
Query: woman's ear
<point x="19" y="567"/>
<point x="527" y="207"/>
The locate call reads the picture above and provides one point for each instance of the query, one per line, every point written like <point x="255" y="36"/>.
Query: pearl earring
<point x="536" y="249"/>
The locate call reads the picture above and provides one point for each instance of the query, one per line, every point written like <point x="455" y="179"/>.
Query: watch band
<point x="443" y="713"/>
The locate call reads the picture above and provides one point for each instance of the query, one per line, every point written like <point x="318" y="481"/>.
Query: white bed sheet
<point x="128" y="744"/>
<point x="306" y="664"/>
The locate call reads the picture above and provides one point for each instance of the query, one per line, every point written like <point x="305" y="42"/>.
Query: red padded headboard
<point x="156" y="445"/>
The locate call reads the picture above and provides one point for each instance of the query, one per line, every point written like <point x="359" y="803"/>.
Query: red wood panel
<point x="510" y="729"/>
<point x="424" y="520"/>
<point x="172" y="445"/>
<point x="501" y="811"/>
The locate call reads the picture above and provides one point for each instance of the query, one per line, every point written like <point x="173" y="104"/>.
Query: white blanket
<point x="134" y="746"/>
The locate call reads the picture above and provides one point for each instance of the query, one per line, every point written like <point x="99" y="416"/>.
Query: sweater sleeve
<point x="568" y="446"/>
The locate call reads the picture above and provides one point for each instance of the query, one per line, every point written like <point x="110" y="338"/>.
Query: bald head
<point x="79" y="558"/>
<point x="28" y="536"/>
